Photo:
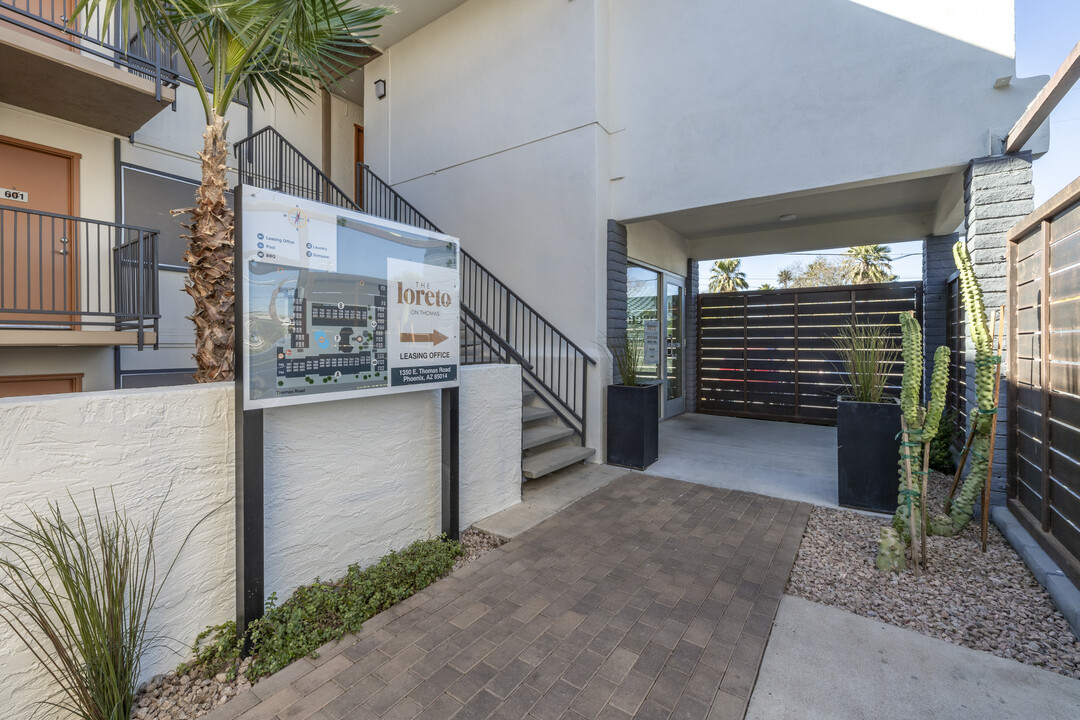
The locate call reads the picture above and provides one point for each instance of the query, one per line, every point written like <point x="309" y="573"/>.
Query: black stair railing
<point x="266" y="159"/>
<point x="497" y="324"/>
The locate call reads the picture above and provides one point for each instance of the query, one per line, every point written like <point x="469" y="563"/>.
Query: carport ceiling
<point x="891" y="211"/>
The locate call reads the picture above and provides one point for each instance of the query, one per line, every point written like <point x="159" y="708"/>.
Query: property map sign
<point x="339" y="304"/>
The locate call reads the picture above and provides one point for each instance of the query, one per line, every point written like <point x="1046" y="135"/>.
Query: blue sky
<point x="1046" y="30"/>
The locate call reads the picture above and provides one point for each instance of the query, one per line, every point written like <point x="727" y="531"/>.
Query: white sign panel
<point x="14" y="195"/>
<point x="339" y="304"/>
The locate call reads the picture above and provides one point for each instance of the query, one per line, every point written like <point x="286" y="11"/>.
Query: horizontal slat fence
<point x="1044" y="376"/>
<point x="770" y="354"/>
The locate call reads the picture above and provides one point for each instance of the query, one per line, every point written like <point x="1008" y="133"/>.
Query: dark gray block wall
<point x="997" y="194"/>
<point x="690" y="336"/>
<point x="616" y="284"/>
<point x="938" y="265"/>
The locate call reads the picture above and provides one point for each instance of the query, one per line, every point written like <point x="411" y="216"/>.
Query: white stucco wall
<point x="345" y="482"/>
<point x="344" y="115"/>
<point x="492" y="127"/>
<point x="718" y="102"/>
<point x="489" y="462"/>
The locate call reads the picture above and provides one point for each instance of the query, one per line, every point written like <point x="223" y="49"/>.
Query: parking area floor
<point x="779" y="459"/>
<point x="649" y="598"/>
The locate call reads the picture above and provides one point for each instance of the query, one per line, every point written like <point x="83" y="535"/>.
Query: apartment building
<point x="577" y="148"/>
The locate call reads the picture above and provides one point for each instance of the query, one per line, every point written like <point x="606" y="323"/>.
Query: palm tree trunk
<point x="210" y="261"/>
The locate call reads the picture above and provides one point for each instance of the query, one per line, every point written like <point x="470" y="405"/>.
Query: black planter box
<point x="633" y="415"/>
<point x="868" y="450"/>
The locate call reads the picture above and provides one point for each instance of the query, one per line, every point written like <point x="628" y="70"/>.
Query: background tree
<point x="726" y="276"/>
<point x="819" y="272"/>
<point x="785" y="277"/>
<point x="291" y="47"/>
<point x="765" y="286"/>
<point x="868" y="264"/>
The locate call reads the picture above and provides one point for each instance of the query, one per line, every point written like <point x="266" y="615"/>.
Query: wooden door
<point x="53" y="13"/>
<point x="358" y="157"/>
<point x="37" y="252"/>
<point x="25" y="385"/>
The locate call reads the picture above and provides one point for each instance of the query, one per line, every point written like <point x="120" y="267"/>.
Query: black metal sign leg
<point x="249" y="517"/>
<point x="450" y="521"/>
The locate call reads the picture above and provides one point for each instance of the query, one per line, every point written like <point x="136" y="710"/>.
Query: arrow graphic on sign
<point x="434" y="337"/>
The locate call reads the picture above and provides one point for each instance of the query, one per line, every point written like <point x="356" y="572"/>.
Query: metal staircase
<point x="497" y="325"/>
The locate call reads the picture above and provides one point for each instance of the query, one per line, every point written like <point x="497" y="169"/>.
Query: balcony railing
<point x="64" y="272"/>
<point x="100" y="36"/>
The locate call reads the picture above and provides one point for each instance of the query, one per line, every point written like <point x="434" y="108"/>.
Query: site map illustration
<point x="339" y="303"/>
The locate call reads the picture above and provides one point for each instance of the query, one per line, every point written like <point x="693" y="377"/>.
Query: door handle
<point x="62" y="252"/>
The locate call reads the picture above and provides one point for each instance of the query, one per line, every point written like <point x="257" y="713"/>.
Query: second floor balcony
<point x="91" y="71"/>
<point x="68" y="280"/>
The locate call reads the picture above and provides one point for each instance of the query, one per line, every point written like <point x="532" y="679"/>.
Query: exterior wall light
<point x="380" y="89"/>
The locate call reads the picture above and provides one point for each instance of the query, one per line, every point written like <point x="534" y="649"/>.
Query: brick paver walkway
<point x="649" y="598"/>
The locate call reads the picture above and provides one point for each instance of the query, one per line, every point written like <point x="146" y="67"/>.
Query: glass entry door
<point x="674" y="403"/>
<point x="654" y="321"/>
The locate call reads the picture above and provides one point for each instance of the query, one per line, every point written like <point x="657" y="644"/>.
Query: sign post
<point x="333" y="304"/>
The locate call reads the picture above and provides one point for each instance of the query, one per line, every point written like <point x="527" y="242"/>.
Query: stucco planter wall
<point x="346" y="482"/>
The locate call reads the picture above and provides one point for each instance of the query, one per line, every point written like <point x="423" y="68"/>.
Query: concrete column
<point x="997" y="194"/>
<point x="690" y="339"/>
<point x="616" y="284"/>
<point x="938" y="265"/>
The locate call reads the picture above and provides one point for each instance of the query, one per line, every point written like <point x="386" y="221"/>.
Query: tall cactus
<point x="920" y="425"/>
<point x="983" y="418"/>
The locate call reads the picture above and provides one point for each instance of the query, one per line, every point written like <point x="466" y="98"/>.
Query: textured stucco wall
<point x="345" y="483"/>
<point x="490" y="457"/>
<point x="137" y="442"/>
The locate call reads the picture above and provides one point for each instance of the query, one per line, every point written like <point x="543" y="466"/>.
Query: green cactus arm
<point x="984" y="414"/>
<point x="911" y="348"/>
<point x="939" y="380"/>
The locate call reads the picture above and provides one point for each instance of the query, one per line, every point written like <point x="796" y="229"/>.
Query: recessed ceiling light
<point x="788" y="217"/>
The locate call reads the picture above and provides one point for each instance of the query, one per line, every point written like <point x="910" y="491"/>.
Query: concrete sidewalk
<point x="828" y="664"/>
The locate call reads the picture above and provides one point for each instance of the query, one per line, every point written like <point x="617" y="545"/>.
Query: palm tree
<point x="766" y="286"/>
<point x="727" y="277"/>
<point x="868" y="264"/>
<point x="291" y="47"/>
<point x="785" y="277"/>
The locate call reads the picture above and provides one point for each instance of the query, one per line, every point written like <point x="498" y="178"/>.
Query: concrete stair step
<point x="549" y="461"/>
<point x="527" y="394"/>
<point x="532" y="414"/>
<point x="543" y="434"/>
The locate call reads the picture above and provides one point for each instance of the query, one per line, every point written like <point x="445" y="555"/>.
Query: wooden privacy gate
<point x="1044" y="374"/>
<point x="770" y="353"/>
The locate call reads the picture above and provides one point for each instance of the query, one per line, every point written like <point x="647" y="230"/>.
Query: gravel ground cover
<point x="987" y="601"/>
<point x="187" y="697"/>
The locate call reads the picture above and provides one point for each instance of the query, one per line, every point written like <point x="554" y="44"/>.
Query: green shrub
<point x="324" y="611"/>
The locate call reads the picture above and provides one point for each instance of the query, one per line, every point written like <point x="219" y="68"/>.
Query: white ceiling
<point x="892" y="210"/>
<point x="411" y="15"/>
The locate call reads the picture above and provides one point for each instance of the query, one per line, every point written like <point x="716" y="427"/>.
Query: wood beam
<point x="1045" y="102"/>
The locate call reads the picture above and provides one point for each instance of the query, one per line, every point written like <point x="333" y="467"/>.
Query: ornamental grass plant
<point x="626" y="352"/>
<point x="77" y="589"/>
<point x="868" y="356"/>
